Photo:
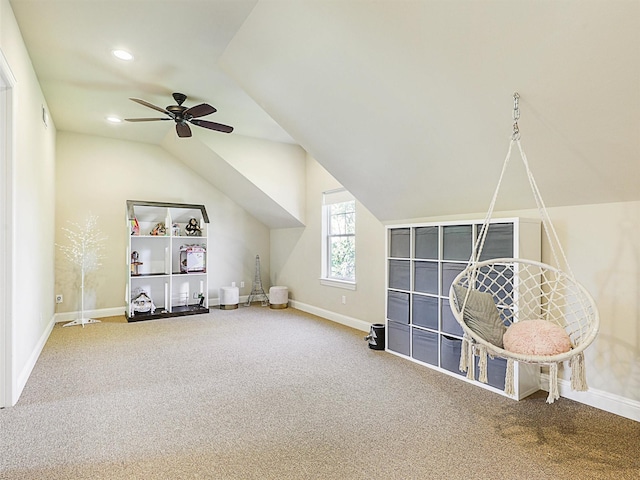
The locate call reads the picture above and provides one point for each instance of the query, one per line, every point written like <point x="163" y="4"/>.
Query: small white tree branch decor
<point x="84" y="249"/>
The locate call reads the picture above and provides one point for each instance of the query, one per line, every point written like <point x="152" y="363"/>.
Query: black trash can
<point x="376" y="337"/>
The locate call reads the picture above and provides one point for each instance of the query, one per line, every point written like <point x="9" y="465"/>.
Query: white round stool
<point x="278" y="297"/>
<point x="229" y="298"/>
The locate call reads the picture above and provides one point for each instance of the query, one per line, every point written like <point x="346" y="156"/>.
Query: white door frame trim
<point x="7" y="263"/>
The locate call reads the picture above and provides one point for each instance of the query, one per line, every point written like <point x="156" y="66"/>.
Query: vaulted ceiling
<point x="407" y="103"/>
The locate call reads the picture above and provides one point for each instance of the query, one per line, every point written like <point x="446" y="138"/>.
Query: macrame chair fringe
<point x="464" y="354"/>
<point x="471" y="372"/>
<point x="482" y="364"/>
<point x="509" y="386"/>
<point x="554" y="394"/>
<point x="578" y="373"/>
<point x="539" y="291"/>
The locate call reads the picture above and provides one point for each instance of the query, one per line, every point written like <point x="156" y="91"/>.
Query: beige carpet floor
<point x="262" y="394"/>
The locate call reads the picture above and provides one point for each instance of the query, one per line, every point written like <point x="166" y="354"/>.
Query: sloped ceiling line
<point x="213" y="167"/>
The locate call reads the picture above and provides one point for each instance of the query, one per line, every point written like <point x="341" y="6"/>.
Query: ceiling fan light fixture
<point x="182" y="115"/>
<point x="122" y="55"/>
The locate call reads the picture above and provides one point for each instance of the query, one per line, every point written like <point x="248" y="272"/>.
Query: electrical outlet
<point x="344" y="299"/>
<point x="59" y="298"/>
<point x="241" y="284"/>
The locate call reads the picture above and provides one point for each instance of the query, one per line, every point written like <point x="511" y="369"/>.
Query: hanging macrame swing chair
<point x="523" y="310"/>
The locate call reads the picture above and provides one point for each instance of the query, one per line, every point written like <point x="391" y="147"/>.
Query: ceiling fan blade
<point x="183" y="130"/>
<point x="200" y="110"/>
<point x="219" y="127"/>
<point x="150" y="105"/>
<point x="144" y="119"/>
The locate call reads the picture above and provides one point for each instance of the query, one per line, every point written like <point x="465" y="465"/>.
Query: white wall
<point x="265" y="178"/>
<point x="602" y="246"/>
<point x="295" y="260"/>
<point x="33" y="209"/>
<point x="278" y="169"/>
<point x="96" y="175"/>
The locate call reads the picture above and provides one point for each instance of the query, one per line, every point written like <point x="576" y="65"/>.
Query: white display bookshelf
<point x="422" y="261"/>
<point x="156" y="270"/>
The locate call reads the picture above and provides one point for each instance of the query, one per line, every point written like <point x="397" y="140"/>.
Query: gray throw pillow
<point x="481" y="314"/>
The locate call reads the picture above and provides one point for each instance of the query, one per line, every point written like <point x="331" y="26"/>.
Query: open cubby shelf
<point x="422" y="261"/>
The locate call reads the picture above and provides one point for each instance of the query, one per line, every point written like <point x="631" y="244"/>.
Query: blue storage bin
<point x="457" y="242"/>
<point x="426" y="277"/>
<point x="499" y="241"/>
<point x="425" y="346"/>
<point x="399" y="338"/>
<point x="449" y="323"/>
<point x="426" y="243"/>
<point x="425" y="311"/>
<point x="400" y="242"/>
<point x="496" y="371"/>
<point x="398" y="306"/>
<point x="400" y="274"/>
<point x="449" y="272"/>
<point x="450" y="349"/>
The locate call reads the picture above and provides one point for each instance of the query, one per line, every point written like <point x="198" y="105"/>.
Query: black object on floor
<point x="376" y="337"/>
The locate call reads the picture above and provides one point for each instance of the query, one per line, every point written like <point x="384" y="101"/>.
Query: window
<point x="339" y="239"/>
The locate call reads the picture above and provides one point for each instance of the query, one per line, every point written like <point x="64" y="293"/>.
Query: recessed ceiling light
<point x="122" y="55"/>
<point x="113" y="119"/>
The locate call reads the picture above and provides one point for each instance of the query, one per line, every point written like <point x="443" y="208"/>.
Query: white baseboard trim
<point x="99" y="313"/>
<point x="599" y="399"/>
<point x="333" y="316"/>
<point x="25" y="373"/>
<point x="215" y="302"/>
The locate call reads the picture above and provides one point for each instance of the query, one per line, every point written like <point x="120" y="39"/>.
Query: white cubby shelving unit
<point x="422" y="261"/>
<point x="174" y="292"/>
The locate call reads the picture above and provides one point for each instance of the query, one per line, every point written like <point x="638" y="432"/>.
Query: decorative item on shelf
<point x="142" y="302"/>
<point x="159" y="230"/>
<point x="175" y="230"/>
<point x="192" y="229"/>
<point x="193" y="258"/>
<point x="135" y="227"/>
<point x="135" y="256"/>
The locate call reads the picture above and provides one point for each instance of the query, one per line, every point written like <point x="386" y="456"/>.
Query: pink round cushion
<point x="536" y="337"/>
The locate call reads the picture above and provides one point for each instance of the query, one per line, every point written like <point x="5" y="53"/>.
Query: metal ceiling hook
<point x="516" y="116"/>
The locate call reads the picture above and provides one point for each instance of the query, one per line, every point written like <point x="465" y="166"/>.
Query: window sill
<point x="330" y="282"/>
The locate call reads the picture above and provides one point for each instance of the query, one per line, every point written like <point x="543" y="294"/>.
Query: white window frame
<point x="331" y="197"/>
